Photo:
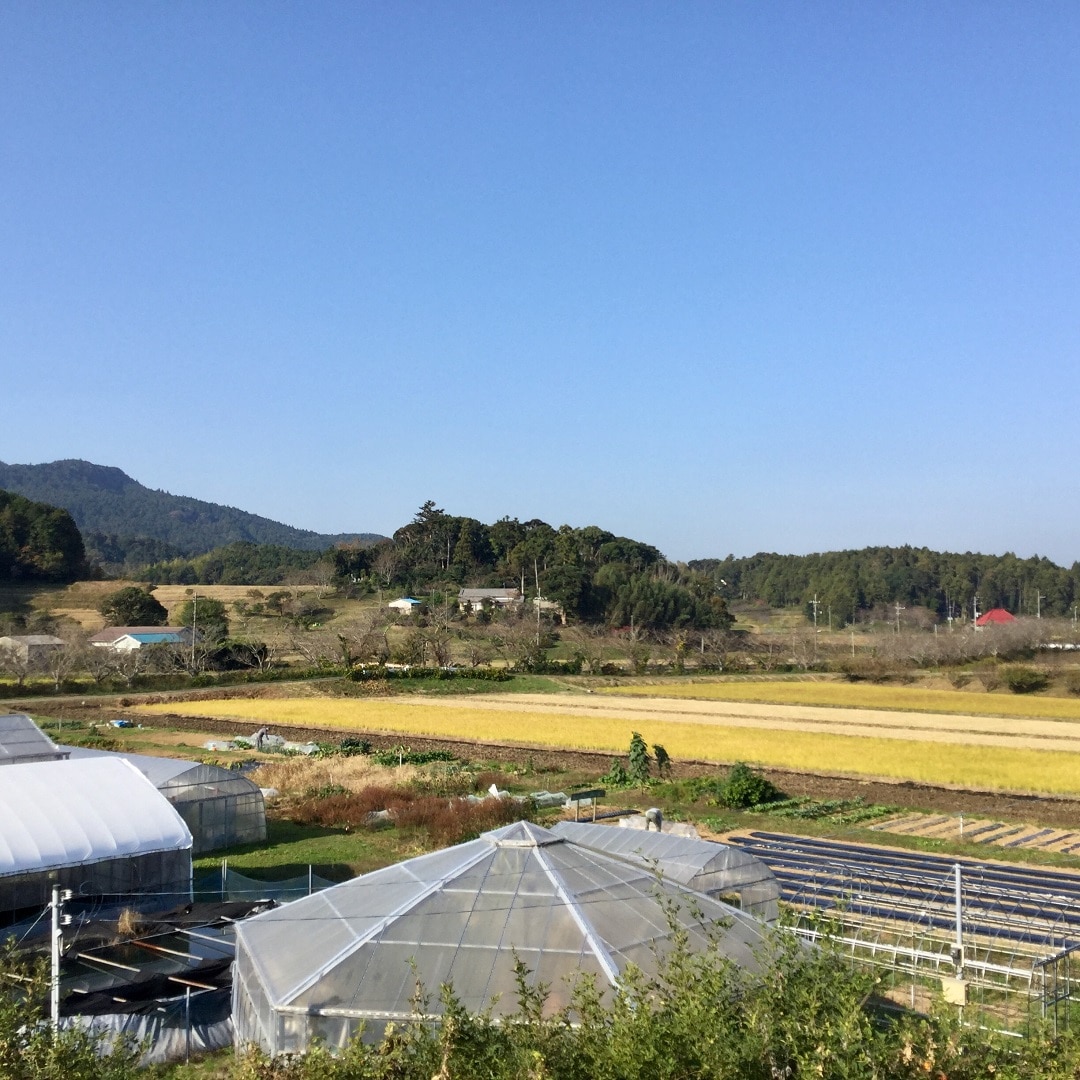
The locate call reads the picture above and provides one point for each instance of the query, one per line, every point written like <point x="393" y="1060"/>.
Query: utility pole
<point x="194" y="618"/>
<point x="898" y="608"/>
<point x="975" y="610"/>
<point x="536" y="572"/>
<point x="59" y="921"/>
<point x="1039" y="598"/>
<point x="815" y="605"/>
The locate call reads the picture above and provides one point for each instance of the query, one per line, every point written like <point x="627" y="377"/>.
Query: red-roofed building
<point x="995" y="617"/>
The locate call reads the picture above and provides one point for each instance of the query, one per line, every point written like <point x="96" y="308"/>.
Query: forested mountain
<point x="115" y="511"/>
<point x="38" y="542"/>
<point x="847" y="582"/>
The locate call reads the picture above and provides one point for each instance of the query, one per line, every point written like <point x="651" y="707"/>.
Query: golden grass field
<point x="860" y="696"/>
<point x="958" y="757"/>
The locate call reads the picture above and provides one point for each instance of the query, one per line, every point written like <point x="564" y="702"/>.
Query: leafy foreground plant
<point x="31" y="1050"/>
<point x="701" y="1016"/>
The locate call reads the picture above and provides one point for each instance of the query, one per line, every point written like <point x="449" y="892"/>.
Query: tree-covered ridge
<point x="106" y="500"/>
<point x="38" y="542"/>
<point x="592" y="574"/>
<point x="241" y="563"/>
<point x="849" y="582"/>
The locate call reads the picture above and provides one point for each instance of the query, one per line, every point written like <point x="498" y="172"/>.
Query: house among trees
<point x="127" y="638"/>
<point x="30" y="648"/>
<point x="473" y="600"/>
<point x="995" y="617"/>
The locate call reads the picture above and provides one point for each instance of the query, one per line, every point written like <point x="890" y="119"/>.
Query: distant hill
<point x="117" y="513"/>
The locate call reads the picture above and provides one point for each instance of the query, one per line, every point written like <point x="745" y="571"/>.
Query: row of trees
<point x="849" y="584"/>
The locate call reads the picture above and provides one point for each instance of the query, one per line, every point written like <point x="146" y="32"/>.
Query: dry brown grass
<point x="293" y="776"/>
<point x="446" y="821"/>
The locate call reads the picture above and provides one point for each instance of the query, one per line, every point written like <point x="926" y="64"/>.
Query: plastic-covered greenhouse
<point x="22" y="741"/>
<point x="717" y="870"/>
<point x="321" y="967"/>
<point x="221" y="807"/>
<point x="97" y="827"/>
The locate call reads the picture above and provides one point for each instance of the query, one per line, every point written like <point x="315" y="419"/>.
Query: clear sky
<point x="723" y="277"/>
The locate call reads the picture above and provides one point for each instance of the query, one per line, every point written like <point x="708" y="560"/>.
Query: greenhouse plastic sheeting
<point x="98" y="827"/>
<point x="22" y="741"/>
<point x="170" y="1032"/>
<point x="323" y="966"/>
<point x="236" y="886"/>
<point x="718" y="870"/>
<point x="221" y="807"/>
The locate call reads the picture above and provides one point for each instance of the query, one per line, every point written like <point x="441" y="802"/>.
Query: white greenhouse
<point x="717" y="870"/>
<point x="221" y="807"/>
<point x="22" y="741"/>
<point x="320" y="968"/>
<point x="97" y="827"/>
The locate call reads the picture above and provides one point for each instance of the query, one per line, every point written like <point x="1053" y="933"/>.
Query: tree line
<point x="852" y="584"/>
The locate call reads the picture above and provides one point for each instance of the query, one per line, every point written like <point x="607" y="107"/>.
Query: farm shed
<point x="22" y="741"/>
<point x="97" y="827"/>
<point x="717" y="870"/>
<point x="350" y="956"/>
<point x="31" y="648"/>
<point x="404" y="604"/>
<point x="219" y="806"/>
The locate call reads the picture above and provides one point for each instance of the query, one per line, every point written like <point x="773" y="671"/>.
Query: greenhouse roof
<point x="158" y="770"/>
<point x="59" y="813"/>
<point x="463" y="916"/>
<point x="711" y="868"/>
<point x="22" y="741"/>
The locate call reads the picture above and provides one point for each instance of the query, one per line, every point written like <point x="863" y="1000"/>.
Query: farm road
<point x="1009" y="732"/>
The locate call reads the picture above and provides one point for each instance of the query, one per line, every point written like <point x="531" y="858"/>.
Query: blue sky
<point x="722" y="277"/>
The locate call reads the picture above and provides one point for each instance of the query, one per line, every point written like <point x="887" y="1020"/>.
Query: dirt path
<point x="1009" y="732"/>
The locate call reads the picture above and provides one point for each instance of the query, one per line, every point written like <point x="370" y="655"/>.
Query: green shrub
<point x="745" y="788"/>
<point x="1025" y="680"/>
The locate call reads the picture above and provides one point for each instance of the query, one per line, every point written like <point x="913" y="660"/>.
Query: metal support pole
<point x="59" y="921"/>
<point x="54" y="981"/>
<point x="959" y="925"/>
<point x="187" y="1024"/>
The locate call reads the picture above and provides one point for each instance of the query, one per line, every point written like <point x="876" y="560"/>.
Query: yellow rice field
<point x="992" y="767"/>
<point x="861" y="696"/>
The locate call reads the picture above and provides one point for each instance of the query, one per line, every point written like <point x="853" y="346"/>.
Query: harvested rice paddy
<point x="977" y="752"/>
<point x="860" y="696"/>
